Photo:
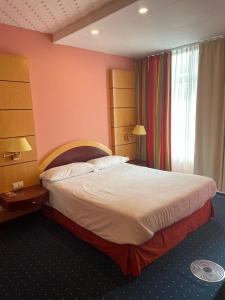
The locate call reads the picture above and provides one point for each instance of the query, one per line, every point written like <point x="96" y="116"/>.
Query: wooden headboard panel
<point x="77" y="151"/>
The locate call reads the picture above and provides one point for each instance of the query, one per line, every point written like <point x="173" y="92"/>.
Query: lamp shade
<point x="19" y="145"/>
<point x="139" y="130"/>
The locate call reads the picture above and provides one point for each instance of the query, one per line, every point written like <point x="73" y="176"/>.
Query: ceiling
<point x="47" y="16"/>
<point x="122" y="30"/>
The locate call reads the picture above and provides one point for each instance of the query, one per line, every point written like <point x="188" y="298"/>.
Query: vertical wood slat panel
<point x="123" y="135"/>
<point x="16" y="120"/>
<point x="125" y="150"/>
<point x="13" y="68"/>
<point x="122" y="98"/>
<point x="123" y="112"/>
<point x="123" y="116"/>
<point x="14" y="123"/>
<point x="15" y="95"/>
<point x="28" y="172"/>
<point x="122" y="79"/>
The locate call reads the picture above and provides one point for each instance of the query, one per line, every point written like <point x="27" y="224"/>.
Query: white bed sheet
<point x="128" y="204"/>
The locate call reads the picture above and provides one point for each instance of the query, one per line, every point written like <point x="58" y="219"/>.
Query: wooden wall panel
<point x="122" y="98"/>
<point x="25" y="156"/>
<point x="123" y="135"/>
<point x="13" y="68"/>
<point x="28" y="172"/>
<point x="122" y="79"/>
<point x="16" y="120"/>
<point x="123" y="112"/>
<point x="123" y="117"/>
<point x="15" y="95"/>
<point x="125" y="150"/>
<point x="14" y="123"/>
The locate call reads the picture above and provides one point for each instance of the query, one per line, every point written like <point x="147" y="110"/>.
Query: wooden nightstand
<point x="141" y="163"/>
<point x="28" y="199"/>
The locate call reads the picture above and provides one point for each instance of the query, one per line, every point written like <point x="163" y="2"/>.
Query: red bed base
<point x="130" y="258"/>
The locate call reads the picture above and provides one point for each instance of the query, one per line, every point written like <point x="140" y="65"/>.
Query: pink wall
<point x="69" y="87"/>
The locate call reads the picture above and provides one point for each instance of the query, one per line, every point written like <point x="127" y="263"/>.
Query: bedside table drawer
<point x="35" y="202"/>
<point x="32" y="197"/>
<point x="26" y="206"/>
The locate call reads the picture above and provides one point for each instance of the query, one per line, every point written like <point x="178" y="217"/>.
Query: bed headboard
<point x="77" y="151"/>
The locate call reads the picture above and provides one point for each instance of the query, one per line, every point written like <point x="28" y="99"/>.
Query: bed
<point x="133" y="214"/>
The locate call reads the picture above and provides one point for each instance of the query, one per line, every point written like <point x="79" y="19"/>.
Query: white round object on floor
<point x="207" y="270"/>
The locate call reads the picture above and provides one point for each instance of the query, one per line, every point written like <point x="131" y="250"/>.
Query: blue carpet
<point x="40" y="260"/>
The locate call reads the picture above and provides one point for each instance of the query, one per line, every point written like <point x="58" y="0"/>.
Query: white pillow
<point x="67" y="171"/>
<point x="108" y="161"/>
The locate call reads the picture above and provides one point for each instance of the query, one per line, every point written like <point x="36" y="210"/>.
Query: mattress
<point x="128" y="204"/>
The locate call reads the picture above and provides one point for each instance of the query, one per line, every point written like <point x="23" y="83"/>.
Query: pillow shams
<point x="67" y="171"/>
<point x="108" y="161"/>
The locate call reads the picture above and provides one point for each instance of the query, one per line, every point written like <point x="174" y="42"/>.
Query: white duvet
<point x="128" y="204"/>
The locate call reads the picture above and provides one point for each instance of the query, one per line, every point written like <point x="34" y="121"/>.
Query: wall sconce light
<point x="128" y="136"/>
<point x="138" y="130"/>
<point x="15" y="147"/>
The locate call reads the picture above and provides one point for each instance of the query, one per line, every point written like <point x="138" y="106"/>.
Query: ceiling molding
<point x="94" y="16"/>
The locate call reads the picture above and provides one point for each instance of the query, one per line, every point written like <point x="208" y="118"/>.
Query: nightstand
<point x="137" y="162"/>
<point x="28" y="199"/>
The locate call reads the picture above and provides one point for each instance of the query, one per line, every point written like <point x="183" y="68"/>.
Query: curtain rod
<point x="188" y="45"/>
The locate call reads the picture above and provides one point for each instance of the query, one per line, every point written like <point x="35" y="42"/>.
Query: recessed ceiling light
<point x="143" y="10"/>
<point x="95" y="31"/>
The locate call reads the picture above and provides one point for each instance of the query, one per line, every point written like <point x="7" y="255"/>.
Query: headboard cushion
<point x="78" y="154"/>
<point x="78" y="151"/>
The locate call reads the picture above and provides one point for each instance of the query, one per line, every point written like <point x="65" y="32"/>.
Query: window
<point x="183" y="107"/>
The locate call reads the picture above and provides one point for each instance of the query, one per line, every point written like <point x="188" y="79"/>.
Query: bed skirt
<point x="131" y="258"/>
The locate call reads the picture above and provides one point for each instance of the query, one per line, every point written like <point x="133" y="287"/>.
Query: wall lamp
<point x="138" y="130"/>
<point x="15" y="147"/>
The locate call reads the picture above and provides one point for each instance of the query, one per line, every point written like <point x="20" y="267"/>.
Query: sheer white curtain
<point x="183" y="107"/>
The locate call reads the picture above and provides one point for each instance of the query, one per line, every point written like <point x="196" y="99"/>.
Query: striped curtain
<point x="153" y="101"/>
<point x="141" y="101"/>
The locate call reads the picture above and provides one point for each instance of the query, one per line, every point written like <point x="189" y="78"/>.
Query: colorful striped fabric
<point x="153" y="101"/>
<point x="140" y="96"/>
